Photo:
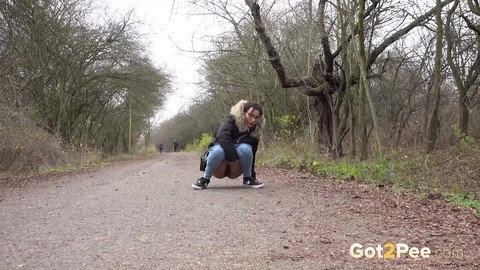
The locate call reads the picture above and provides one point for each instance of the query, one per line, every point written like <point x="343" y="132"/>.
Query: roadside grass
<point x="465" y="200"/>
<point x="200" y="145"/>
<point x="90" y="158"/>
<point x="27" y="150"/>
<point x="451" y="173"/>
<point x="75" y="159"/>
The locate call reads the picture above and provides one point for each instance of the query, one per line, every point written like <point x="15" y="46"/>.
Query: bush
<point x="24" y="147"/>
<point x="201" y="144"/>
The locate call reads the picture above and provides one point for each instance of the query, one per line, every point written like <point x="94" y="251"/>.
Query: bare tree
<point x="81" y="81"/>
<point x="327" y="77"/>
<point x="463" y="56"/>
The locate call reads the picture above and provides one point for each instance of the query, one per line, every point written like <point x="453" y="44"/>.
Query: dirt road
<point x="144" y="214"/>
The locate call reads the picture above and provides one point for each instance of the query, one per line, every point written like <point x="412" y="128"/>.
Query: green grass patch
<point x="450" y="171"/>
<point x="201" y="144"/>
<point x="371" y="171"/>
<point x="463" y="199"/>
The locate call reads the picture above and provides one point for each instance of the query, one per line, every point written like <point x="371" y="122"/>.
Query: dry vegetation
<point x="28" y="149"/>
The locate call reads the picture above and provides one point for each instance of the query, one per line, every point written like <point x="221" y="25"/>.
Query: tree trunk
<point x="434" y="123"/>
<point x="471" y="74"/>
<point x="362" y="118"/>
<point x="463" y="111"/>
<point x="324" y="114"/>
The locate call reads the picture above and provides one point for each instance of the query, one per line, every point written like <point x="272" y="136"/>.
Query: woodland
<point x="351" y="76"/>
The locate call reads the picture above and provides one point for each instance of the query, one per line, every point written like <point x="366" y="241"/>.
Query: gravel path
<point x="143" y="214"/>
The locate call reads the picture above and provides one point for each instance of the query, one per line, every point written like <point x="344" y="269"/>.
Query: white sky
<point x="172" y="33"/>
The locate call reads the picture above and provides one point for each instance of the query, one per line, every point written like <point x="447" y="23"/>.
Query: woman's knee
<point x="244" y="149"/>
<point x="216" y="151"/>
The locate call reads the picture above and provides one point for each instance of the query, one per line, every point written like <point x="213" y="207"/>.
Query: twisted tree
<point x="328" y="72"/>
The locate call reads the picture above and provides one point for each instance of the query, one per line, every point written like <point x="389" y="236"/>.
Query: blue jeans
<point x="216" y="157"/>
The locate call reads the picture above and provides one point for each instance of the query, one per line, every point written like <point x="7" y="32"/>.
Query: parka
<point x="234" y="130"/>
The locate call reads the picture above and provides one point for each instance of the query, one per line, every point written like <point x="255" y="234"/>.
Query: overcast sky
<point x="172" y="32"/>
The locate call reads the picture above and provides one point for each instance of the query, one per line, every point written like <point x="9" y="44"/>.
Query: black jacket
<point x="234" y="130"/>
<point x="228" y="134"/>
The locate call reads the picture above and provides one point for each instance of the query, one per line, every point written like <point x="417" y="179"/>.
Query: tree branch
<point x="474" y="7"/>
<point x="274" y="56"/>
<point x="394" y="37"/>
<point x="367" y="13"/>
<point x="470" y="25"/>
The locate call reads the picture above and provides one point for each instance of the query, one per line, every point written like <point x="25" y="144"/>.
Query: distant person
<point x="232" y="151"/>
<point x="176" y="146"/>
<point x="161" y="147"/>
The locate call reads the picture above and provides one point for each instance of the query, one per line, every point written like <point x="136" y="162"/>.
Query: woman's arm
<point x="224" y="137"/>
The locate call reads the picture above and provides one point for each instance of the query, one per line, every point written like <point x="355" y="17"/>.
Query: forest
<point x="345" y="84"/>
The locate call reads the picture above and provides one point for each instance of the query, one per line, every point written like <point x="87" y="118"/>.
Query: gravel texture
<point x="143" y="214"/>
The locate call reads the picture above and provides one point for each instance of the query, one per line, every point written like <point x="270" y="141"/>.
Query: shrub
<point x="24" y="146"/>
<point x="201" y="144"/>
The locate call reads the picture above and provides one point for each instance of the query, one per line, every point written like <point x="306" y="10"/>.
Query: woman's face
<point x="252" y="116"/>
